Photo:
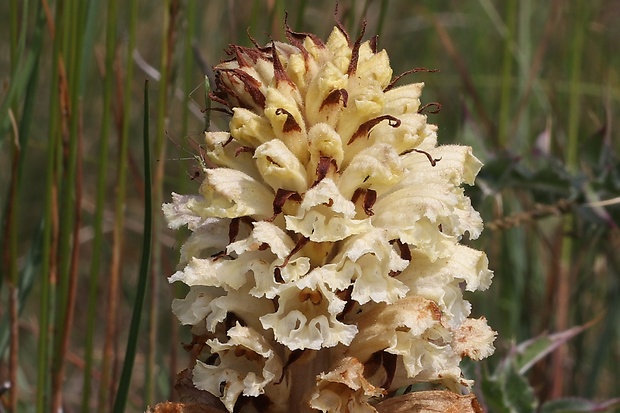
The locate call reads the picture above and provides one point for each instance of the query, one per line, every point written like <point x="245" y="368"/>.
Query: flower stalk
<point x="325" y="268"/>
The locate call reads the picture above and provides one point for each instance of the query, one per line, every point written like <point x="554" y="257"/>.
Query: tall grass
<point x="533" y="87"/>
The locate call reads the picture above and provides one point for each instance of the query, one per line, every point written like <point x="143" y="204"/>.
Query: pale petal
<point x="185" y="210"/>
<point x="474" y="339"/>
<point x="279" y="167"/>
<point x="403" y="99"/>
<point x="208" y="239"/>
<point x="223" y="150"/>
<point x="287" y="122"/>
<point x="377" y="167"/>
<point x="232" y="194"/>
<point x="369" y="261"/>
<point x="344" y="389"/>
<point x="250" y="129"/>
<point x="325" y="215"/>
<point x="248" y="374"/>
<point x="306" y="317"/>
<point x="328" y="80"/>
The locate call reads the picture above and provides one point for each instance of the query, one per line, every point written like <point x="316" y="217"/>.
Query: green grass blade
<point x="102" y="162"/>
<point x="132" y="341"/>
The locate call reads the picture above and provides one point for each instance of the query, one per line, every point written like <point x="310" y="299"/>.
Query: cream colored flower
<point x="324" y="263"/>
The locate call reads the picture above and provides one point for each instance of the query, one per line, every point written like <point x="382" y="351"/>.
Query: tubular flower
<point x="324" y="265"/>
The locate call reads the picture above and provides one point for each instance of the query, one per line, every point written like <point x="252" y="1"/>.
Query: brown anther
<point x="373" y="43"/>
<point x="370" y="197"/>
<point x="278" y="70"/>
<point x="341" y="26"/>
<point x="323" y="167"/>
<point x="290" y="124"/>
<point x="356" y="195"/>
<point x="277" y="275"/>
<point x="335" y="97"/>
<point x="250" y="85"/>
<point x="298" y="246"/>
<point x="355" y="52"/>
<point x="283" y="195"/>
<point x="364" y="128"/>
<point x="297" y="38"/>
<point x="405" y="252"/>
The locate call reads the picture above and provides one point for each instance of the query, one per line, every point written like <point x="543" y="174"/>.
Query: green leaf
<point x="518" y="393"/>
<point x="528" y="353"/>
<point x="575" y="405"/>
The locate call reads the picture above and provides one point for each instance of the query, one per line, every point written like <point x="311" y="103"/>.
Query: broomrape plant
<point x="324" y="265"/>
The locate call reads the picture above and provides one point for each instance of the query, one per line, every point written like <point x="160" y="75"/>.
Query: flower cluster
<point x="324" y="265"/>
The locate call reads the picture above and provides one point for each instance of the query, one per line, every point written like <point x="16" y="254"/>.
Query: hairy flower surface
<point x="324" y="265"/>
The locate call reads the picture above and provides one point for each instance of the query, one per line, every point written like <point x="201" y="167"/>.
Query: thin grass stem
<point x="109" y="359"/>
<point x="132" y="341"/>
<point x="95" y="268"/>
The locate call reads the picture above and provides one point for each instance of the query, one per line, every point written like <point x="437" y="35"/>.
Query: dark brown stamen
<point x="297" y="38"/>
<point x="436" y="105"/>
<point x="370" y="197"/>
<point x="373" y="43"/>
<point x="405" y="252"/>
<point x="432" y="160"/>
<point x="334" y="98"/>
<point x="250" y="85"/>
<point x="365" y="127"/>
<point x="290" y="124"/>
<point x="278" y="70"/>
<point x="298" y="246"/>
<point x="277" y="275"/>
<point x="416" y="70"/>
<point x="340" y="26"/>
<point x="355" y="52"/>
<point x="322" y="168"/>
<point x="283" y="195"/>
<point x="356" y="195"/>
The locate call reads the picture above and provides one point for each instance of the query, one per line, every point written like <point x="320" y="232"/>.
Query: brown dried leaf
<point x="172" y="407"/>
<point x="435" y="401"/>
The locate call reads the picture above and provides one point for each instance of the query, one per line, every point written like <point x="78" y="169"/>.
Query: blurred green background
<point x="531" y="85"/>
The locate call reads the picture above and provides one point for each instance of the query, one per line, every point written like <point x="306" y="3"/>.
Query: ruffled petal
<point x="344" y="389"/>
<point x="247" y="365"/>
